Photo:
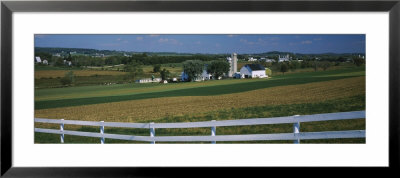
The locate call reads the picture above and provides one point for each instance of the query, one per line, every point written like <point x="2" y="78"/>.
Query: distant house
<point x="283" y="58"/>
<point x="253" y="71"/>
<point x="38" y="60"/>
<point x="205" y="75"/>
<point x="252" y="59"/>
<point x="269" y="60"/>
<point x="68" y="63"/>
<point x="45" y="62"/>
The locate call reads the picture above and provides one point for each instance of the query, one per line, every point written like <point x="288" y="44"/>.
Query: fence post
<point x="62" y="130"/>
<point x="296" y="131"/>
<point x="152" y="132"/>
<point x="213" y="132"/>
<point x="102" y="140"/>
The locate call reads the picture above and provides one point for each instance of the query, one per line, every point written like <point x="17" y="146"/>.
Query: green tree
<point x="156" y="68"/>
<point x="58" y="61"/>
<point x="193" y="68"/>
<point x="268" y="72"/>
<point x="294" y="64"/>
<point x="69" y="58"/>
<point x="134" y="69"/>
<point x="68" y="79"/>
<point x="284" y="68"/>
<point x="164" y="74"/>
<point x="218" y="68"/>
<point x="315" y="65"/>
<point x="325" y="65"/>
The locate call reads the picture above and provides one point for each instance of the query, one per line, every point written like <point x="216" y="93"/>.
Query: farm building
<point x="283" y="58"/>
<point x="232" y="63"/>
<point x="204" y="75"/>
<point x="266" y="59"/>
<point x="269" y="60"/>
<point x="148" y="80"/>
<point x="37" y="59"/>
<point x="252" y="59"/>
<point x="45" y="62"/>
<point x="253" y="71"/>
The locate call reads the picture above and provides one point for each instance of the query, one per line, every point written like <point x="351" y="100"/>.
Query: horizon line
<point x="202" y="53"/>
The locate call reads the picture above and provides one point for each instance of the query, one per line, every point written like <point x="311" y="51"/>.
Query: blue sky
<point x="218" y="43"/>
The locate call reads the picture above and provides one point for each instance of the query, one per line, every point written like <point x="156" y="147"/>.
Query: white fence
<point x="296" y="136"/>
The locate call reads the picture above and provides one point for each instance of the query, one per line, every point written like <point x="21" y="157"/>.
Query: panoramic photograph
<point x="199" y="88"/>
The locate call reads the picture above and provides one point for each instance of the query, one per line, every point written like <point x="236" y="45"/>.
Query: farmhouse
<point x="283" y="58"/>
<point x="252" y="71"/>
<point x="204" y="75"/>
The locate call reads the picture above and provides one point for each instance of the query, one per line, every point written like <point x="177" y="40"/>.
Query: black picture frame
<point x="8" y="7"/>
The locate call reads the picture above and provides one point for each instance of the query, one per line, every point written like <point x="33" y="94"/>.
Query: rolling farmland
<point x="337" y="90"/>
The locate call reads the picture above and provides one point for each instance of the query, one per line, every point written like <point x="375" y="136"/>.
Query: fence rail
<point x="296" y="136"/>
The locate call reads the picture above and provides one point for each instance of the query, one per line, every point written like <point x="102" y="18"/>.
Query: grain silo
<point x="232" y="64"/>
<point x="234" y="61"/>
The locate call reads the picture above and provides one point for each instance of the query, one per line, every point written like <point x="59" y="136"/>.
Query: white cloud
<point x="139" y="38"/>
<point x="247" y="42"/>
<point x="306" y="42"/>
<point x="163" y="40"/>
<point x="170" y="41"/>
<point x="273" y="38"/>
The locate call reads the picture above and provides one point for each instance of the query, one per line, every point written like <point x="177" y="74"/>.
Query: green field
<point x="302" y="92"/>
<point x="50" y="76"/>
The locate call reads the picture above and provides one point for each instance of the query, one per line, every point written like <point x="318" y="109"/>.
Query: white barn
<point x="253" y="71"/>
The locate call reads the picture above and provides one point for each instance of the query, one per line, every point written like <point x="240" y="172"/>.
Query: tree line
<point x="144" y="59"/>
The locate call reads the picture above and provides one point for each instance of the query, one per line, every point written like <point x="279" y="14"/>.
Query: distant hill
<point x="83" y="51"/>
